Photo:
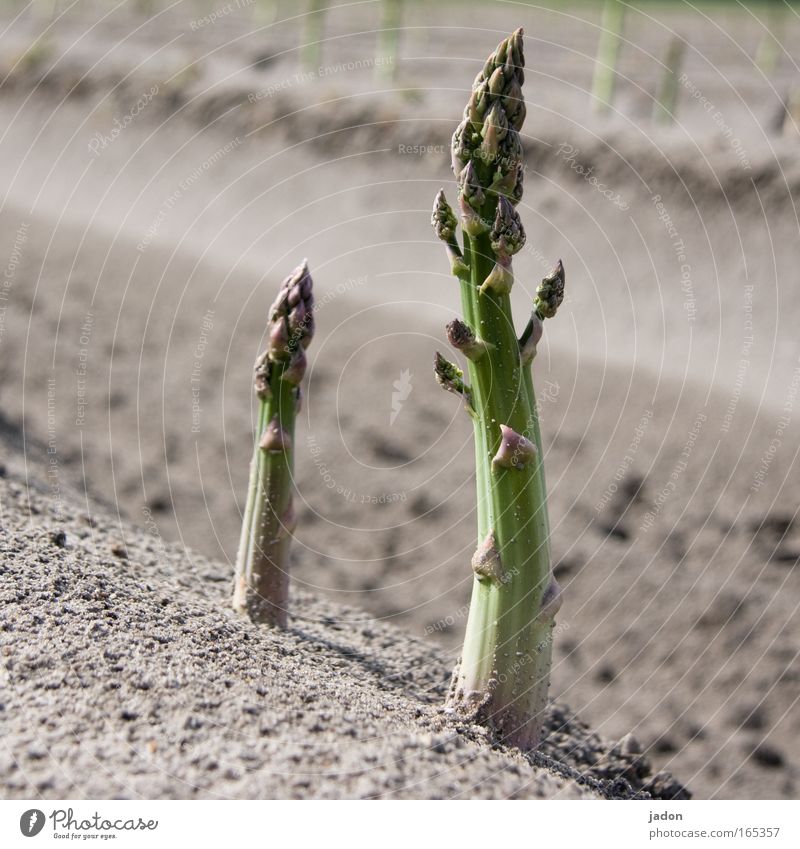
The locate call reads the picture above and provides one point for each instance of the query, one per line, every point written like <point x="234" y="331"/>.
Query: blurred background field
<point x="163" y="165"/>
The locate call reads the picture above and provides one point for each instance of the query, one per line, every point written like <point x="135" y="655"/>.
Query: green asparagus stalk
<point x="502" y="677"/>
<point x="791" y="114"/>
<point x="605" y="66"/>
<point x="769" y="49"/>
<point x="389" y="39"/>
<point x="314" y="34"/>
<point x="261" y="588"/>
<point x="267" y="11"/>
<point x="667" y="97"/>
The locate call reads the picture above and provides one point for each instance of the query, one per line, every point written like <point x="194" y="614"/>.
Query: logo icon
<point x="31" y="822"/>
<point x="402" y="389"/>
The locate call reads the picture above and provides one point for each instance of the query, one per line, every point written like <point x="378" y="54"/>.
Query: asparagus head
<point x="502" y="677"/>
<point x="262" y="566"/>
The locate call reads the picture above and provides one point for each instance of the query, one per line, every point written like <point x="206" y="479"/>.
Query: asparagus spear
<point x="261" y="589"/>
<point x="608" y="47"/>
<point x="769" y="48"/>
<point x="314" y="34"/>
<point x="501" y="679"/>
<point x="667" y="97"/>
<point x="389" y="39"/>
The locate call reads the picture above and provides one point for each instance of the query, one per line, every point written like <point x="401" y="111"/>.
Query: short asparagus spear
<point x="502" y="676"/>
<point x="262" y="566"/>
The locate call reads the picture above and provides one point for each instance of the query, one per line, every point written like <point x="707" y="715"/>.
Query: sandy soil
<point x="125" y="675"/>
<point x="140" y="274"/>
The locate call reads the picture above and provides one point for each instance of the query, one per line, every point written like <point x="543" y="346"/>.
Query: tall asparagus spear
<point x="502" y="677"/>
<point x="262" y="565"/>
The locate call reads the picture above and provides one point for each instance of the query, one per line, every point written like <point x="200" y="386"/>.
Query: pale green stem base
<point x="503" y="674"/>
<point x="261" y="589"/>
